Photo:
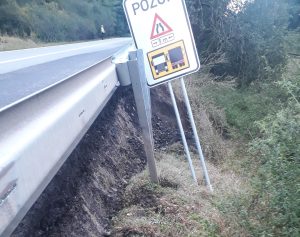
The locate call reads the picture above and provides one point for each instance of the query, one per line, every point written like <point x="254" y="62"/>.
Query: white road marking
<point x="47" y="54"/>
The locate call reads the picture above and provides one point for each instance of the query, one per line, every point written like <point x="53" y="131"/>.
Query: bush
<point x="13" y="21"/>
<point x="278" y="151"/>
<point x="244" y="106"/>
<point x="256" y="46"/>
<point x="248" y="44"/>
<point x="278" y="183"/>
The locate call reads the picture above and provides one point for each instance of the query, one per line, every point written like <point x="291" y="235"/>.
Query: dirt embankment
<point x="87" y="191"/>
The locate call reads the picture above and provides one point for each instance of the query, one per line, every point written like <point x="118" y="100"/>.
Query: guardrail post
<point x="143" y="103"/>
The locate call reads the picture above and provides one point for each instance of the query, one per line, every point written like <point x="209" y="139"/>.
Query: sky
<point x="237" y="5"/>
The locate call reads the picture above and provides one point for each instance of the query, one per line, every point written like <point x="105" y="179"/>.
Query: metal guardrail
<point x="38" y="134"/>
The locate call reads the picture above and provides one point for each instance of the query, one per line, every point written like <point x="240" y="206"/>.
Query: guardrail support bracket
<point x="143" y="103"/>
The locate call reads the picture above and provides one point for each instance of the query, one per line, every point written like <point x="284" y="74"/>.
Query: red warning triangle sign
<point x="159" y="28"/>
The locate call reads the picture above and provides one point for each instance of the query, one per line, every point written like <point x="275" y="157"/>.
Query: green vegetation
<point x="246" y="103"/>
<point x="12" y="43"/>
<point x="176" y="207"/>
<point x="271" y="129"/>
<point x="265" y="118"/>
<point x="245" y="106"/>
<point x="61" y="20"/>
<point x="255" y="168"/>
<point x="267" y="115"/>
<point x="278" y="152"/>
<point x="248" y="45"/>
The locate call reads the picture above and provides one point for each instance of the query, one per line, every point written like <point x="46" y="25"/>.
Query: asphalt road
<point x="24" y="73"/>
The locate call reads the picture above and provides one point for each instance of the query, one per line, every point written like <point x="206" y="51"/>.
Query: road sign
<point x="161" y="28"/>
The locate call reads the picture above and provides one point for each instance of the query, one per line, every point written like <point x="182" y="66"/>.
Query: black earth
<point x="86" y="193"/>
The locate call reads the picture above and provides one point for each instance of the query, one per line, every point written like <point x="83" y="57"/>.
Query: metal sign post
<point x="143" y="104"/>
<point x="186" y="148"/>
<point x="197" y="141"/>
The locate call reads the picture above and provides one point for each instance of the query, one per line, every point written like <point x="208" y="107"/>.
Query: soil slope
<point x="87" y="191"/>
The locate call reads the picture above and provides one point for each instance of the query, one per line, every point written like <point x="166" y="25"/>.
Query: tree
<point x="62" y="20"/>
<point x="248" y="44"/>
<point x="256" y="46"/>
<point x="208" y="19"/>
<point x="12" y="20"/>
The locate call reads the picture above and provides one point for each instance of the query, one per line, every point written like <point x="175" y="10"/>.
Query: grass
<point x="227" y="121"/>
<point x="8" y="43"/>
<point x="292" y="42"/>
<point x="13" y="43"/>
<point x="242" y="107"/>
<point x="177" y="207"/>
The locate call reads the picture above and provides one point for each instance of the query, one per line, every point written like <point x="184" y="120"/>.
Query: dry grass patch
<point x="210" y="119"/>
<point x="13" y="43"/>
<point x="177" y="207"/>
<point x="8" y="43"/>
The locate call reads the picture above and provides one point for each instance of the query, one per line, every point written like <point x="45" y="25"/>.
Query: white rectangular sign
<point x="161" y="28"/>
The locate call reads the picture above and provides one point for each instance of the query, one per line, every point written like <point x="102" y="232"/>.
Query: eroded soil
<point x="87" y="191"/>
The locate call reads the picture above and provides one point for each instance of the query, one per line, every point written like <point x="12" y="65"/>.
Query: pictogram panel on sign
<point x="168" y="60"/>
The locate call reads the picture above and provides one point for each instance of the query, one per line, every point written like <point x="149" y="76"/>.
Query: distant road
<point x="29" y="71"/>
